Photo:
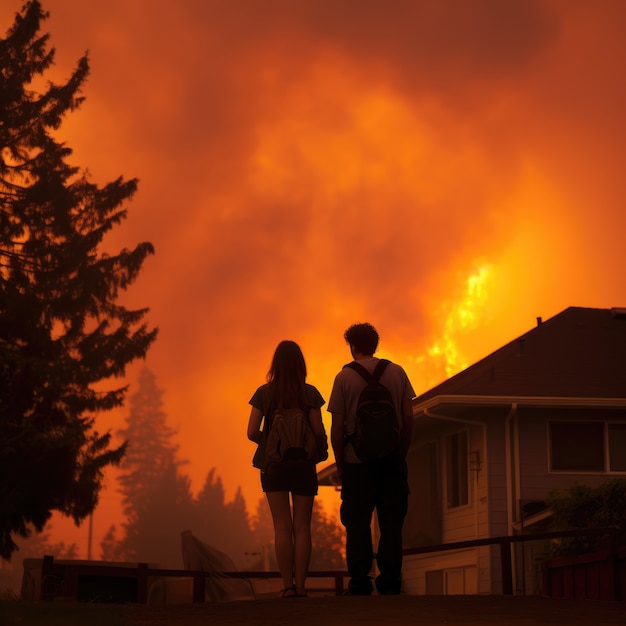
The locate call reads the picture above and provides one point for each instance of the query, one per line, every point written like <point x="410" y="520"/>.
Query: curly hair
<point x="364" y="338"/>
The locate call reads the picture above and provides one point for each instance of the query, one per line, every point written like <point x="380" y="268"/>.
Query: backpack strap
<point x="374" y="377"/>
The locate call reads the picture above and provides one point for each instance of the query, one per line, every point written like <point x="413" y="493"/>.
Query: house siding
<point x="497" y="468"/>
<point x="514" y="470"/>
<point x="536" y="479"/>
<point x="497" y="464"/>
<point x="460" y="571"/>
<point x="416" y="571"/>
<point x="515" y="392"/>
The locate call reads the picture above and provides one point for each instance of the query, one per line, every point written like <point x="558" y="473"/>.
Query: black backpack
<point x="377" y="432"/>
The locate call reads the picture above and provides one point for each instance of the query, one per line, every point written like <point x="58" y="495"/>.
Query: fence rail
<point x="63" y="577"/>
<point x="505" y="543"/>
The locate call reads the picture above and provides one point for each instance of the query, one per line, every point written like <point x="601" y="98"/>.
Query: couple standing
<point x="381" y="485"/>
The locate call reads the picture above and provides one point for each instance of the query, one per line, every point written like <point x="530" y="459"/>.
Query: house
<point x="545" y="411"/>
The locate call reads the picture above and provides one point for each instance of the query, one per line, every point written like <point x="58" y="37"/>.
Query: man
<point x="380" y="484"/>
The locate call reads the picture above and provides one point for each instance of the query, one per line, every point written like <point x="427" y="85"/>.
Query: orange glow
<point x="444" y="173"/>
<point x="464" y="317"/>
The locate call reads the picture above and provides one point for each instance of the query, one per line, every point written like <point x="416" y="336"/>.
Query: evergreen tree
<point x="224" y="526"/>
<point x="262" y="529"/>
<point x="33" y="547"/>
<point x="150" y="446"/>
<point x="154" y="534"/>
<point x="156" y="498"/>
<point x="261" y="523"/>
<point x="111" y="548"/>
<point x="238" y="540"/>
<point x="210" y="512"/>
<point x="328" y="539"/>
<point x="63" y="335"/>
<point x="208" y="508"/>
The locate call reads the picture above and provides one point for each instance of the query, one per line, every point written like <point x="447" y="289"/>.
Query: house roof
<point x="579" y="354"/>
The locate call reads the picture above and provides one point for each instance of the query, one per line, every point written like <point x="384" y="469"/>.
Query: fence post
<point x="198" y="586"/>
<point x="338" y="584"/>
<point x="142" y="583"/>
<point x="507" y="569"/>
<point x="47" y="580"/>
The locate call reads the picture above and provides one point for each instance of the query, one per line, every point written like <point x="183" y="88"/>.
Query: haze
<point x="447" y="170"/>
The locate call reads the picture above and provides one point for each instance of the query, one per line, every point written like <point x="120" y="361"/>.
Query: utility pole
<point x="90" y="536"/>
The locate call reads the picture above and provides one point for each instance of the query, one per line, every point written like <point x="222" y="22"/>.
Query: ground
<point x="326" y="611"/>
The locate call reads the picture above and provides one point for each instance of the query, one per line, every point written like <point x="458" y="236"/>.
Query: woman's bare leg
<point x="302" y="512"/>
<point x="283" y="534"/>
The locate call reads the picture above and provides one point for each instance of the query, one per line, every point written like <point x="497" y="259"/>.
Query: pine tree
<point x="222" y="525"/>
<point x="262" y="528"/>
<point x="150" y="448"/>
<point x="209" y="511"/>
<point x="33" y="547"/>
<point x="154" y="534"/>
<point x="156" y="498"/>
<point x="238" y="540"/>
<point x="111" y="548"/>
<point x="261" y="523"/>
<point x="63" y="335"/>
<point x="328" y="539"/>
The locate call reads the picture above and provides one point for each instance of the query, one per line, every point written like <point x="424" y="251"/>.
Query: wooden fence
<point x="123" y="582"/>
<point x="597" y="576"/>
<point x="71" y="579"/>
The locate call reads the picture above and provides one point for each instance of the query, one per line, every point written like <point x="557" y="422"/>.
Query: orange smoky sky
<point x="446" y="169"/>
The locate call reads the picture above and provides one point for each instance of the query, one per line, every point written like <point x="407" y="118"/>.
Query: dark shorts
<point x="298" y="477"/>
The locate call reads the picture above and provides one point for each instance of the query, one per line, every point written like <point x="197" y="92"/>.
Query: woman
<point x="289" y="486"/>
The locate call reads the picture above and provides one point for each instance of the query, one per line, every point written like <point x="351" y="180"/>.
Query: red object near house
<point x="597" y="576"/>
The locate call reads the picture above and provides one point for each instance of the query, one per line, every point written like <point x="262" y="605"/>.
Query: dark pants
<point x="382" y="486"/>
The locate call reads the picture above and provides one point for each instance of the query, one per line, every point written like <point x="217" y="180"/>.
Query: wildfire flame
<point x="445" y="357"/>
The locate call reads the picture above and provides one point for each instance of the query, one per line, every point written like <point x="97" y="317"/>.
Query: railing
<point x="505" y="547"/>
<point x="67" y="574"/>
<point x="63" y="578"/>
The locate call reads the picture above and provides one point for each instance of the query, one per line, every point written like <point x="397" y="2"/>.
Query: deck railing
<point x="505" y="543"/>
<point x="63" y="577"/>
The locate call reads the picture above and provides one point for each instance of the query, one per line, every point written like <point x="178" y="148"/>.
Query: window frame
<point x="460" y="495"/>
<point x="605" y="425"/>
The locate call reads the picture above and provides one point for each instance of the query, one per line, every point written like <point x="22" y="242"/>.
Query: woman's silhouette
<point x="291" y="485"/>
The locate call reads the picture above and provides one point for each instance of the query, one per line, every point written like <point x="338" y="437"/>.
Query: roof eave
<point x="537" y="401"/>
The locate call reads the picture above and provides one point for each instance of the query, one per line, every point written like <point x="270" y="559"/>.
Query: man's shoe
<point x="387" y="587"/>
<point x="389" y="592"/>
<point x="360" y="587"/>
<point x="358" y="592"/>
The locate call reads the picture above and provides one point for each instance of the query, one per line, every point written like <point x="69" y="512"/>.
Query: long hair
<point x="286" y="377"/>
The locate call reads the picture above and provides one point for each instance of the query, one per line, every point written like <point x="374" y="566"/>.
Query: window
<point x="577" y="446"/>
<point x="452" y="581"/>
<point x="587" y="447"/>
<point x="457" y="487"/>
<point x="617" y="447"/>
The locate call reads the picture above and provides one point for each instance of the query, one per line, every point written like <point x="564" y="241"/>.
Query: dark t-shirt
<point x="312" y="396"/>
<point x="300" y="479"/>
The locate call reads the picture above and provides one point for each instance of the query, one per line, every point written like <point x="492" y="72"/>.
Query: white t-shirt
<point x="347" y="387"/>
